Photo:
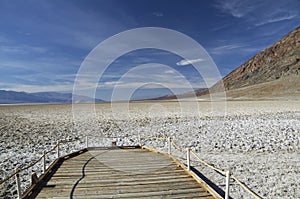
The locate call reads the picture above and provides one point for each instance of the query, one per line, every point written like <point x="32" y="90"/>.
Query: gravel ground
<point x="259" y="141"/>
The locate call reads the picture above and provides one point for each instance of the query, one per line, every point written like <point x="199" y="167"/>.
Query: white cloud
<point x="169" y="72"/>
<point x="154" y="84"/>
<point x="260" y="12"/>
<point x="109" y="84"/>
<point x="158" y="14"/>
<point x="238" y="48"/>
<point x="22" y="49"/>
<point x="37" y="88"/>
<point x="229" y="47"/>
<point x="153" y="75"/>
<point x="4" y="39"/>
<point x="277" y="16"/>
<point x="219" y="50"/>
<point x="236" y="8"/>
<point x="188" y="62"/>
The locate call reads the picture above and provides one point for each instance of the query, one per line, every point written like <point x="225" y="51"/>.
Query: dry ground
<point x="258" y="140"/>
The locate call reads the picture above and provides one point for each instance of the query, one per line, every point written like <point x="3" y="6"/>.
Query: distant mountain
<point x="146" y="93"/>
<point x="12" y="97"/>
<point x="66" y="97"/>
<point x="55" y="96"/>
<point x="198" y="92"/>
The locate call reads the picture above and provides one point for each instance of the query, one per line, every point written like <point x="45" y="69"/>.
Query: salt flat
<point x="258" y="140"/>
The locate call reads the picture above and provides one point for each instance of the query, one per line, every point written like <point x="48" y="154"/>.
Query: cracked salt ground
<point x="259" y="141"/>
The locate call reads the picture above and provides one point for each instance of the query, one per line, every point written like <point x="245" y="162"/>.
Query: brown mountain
<point x="274" y="72"/>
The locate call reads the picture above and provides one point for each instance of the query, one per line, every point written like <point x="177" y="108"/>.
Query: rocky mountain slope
<point x="277" y="65"/>
<point x="273" y="73"/>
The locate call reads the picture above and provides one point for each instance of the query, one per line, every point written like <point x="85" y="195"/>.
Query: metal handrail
<point x="18" y="170"/>
<point x="223" y="172"/>
<point x="30" y="165"/>
<point x="65" y="141"/>
<point x="245" y="187"/>
<point x="207" y="164"/>
<point x="106" y="137"/>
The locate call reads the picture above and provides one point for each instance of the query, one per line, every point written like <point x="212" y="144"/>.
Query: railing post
<point x="87" y="141"/>
<point x="139" y="137"/>
<point x="58" y="155"/>
<point x="34" y="178"/>
<point x="227" y="184"/>
<point x="169" y="145"/>
<point x="44" y="162"/>
<point x="188" y="159"/>
<point x="19" y="191"/>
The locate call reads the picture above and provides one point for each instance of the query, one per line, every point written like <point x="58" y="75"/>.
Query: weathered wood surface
<point x="120" y="173"/>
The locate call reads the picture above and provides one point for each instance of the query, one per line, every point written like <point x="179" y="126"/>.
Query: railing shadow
<point x="35" y="189"/>
<point x="43" y="182"/>
<point x="209" y="182"/>
<point x="83" y="174"/>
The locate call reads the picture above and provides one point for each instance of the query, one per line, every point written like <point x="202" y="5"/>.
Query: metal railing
<point x="170" y="143"/>
<point x="227" y="173"/>
<point x="43" y="158"/>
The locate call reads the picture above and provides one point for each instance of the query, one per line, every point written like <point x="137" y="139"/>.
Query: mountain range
<point x="12" y="97"/>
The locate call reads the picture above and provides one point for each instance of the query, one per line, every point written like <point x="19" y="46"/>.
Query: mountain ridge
<point x="14" y="97"/>
<point x="279" y="60"/>
<point x="273" y="73"/>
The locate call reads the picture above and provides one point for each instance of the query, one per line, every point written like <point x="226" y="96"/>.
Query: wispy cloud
<point x="39" y="64"/>
<point x="169" y="72"/>
<point x="236" y="8"/>
<point x="155" y="84"/>
<point x="226" y="48"/>
<point x="37" y="88"/>
<point x="23" y="49"/>
<point x="185" y="62"/>
<point x="158" y="14"/>
<point x="230" y="47"/>
<point x="151" y="74"/>
<point x="277" y="16"/>
<point x="260" y="12"/>
<point x="4" y="39"/>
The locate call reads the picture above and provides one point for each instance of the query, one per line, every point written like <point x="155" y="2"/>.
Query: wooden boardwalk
<point x="121" y="173"/>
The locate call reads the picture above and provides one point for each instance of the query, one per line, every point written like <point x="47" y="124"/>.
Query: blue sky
<point x="43" y="43"/>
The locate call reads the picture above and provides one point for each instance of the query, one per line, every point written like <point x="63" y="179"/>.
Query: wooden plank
<point x="122" y="181"/>
<point x="116" y="177"/>
<point x="117" y="194"/>
<point x="120" y="185"/>
<point x="170" y="170"/>
<point x="127" y="188"/>
<point x="141" y="193"/>
<point x="162" y="186"/>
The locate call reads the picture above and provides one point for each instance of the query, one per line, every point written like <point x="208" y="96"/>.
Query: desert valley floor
<point x="258" y="140"/>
